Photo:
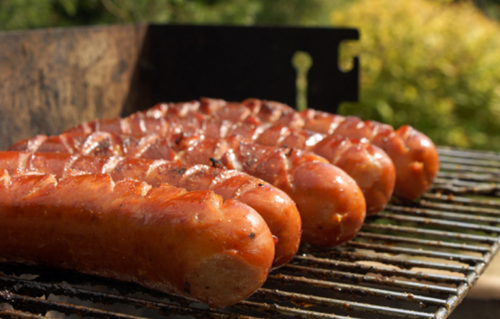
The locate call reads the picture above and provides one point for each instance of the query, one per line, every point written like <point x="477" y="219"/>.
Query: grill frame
<point x="450" y="205"/>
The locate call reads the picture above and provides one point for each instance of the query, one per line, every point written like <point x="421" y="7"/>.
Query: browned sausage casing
<point x="331" y="205"/>
<point x="188" y="243"/>
<point x="277" y="209"/>
<point x="367" y="164"/>
<point x="414" y="155"/>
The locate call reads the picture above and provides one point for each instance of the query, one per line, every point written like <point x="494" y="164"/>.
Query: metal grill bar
<point x="275" y="309"/>
<point x="466" y="168"/>
<point x="472" y="277"/>
<point x="365" y="269"/>
<point x="454" y="186"/>
<point x="43" y="306"/>
<point x="467" y="161"/>
<point x="494" y="182"/>
<point x="447" y="151"/>
<point x="462" y="200"/>
<point x="415" y="252"/>
<point x="14" y="314"/>
<point x="472" y="184"/>
<point x="367" y="279"/>
<point x="423" y="242"/>
<point x="462" y="209"/>
<point x="346" y="288"/>
<point x="352" y="306"/>
<point x="430" y="232"/>
<point x="443" y="215"/>
<point x="439" y="222"/>
<point x="485" y="177"/>
<point x="400" y="262"/>
<point x="21" y="286"/>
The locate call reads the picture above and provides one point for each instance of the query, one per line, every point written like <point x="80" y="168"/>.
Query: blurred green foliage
<point x="23" y="14"/>
<point x="490" y="7"/>
<point x="432" y="64"/>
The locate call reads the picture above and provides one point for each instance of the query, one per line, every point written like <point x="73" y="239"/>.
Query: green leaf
<point x="69" y="6"/>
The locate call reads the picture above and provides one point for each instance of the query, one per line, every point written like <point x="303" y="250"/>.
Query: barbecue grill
<point x="414" y="260"/>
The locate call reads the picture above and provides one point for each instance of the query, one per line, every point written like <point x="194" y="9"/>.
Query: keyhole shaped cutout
<point x="302" y="62"/>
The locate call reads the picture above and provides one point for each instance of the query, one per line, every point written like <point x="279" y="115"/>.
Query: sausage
<point x="277" y="209"/>
<point x="414" y="155"/>
<point x="140" y="124"/>
<point x="331" y="205"/>
<point x="191" y="244"/>
<point x="367" y="164"/>
<point x="260" y="111"/>
<point x="370" y="167"/>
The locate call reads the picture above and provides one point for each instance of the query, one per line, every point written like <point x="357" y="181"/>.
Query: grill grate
<point x="413" y="260"/>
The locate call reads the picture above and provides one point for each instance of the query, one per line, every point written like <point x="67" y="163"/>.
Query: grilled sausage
<point x="413" y="154"/>
<point x="331" y="205"/>
<point x="277" y="209"/>
<point x="187" y="243"/>
<point x="367" y="164"/>
<point x="370" y="167"/>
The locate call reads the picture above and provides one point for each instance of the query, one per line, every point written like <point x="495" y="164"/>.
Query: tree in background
<point x="490" y="7"/>
<point x="23" y="14"/>
<point x="432" y="64"/>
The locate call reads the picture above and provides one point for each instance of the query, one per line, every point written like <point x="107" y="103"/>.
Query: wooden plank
<point x="53" y="79"/>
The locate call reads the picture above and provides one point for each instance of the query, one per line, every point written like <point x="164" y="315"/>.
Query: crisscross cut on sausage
<point x="370" y="167"/>
<point x="277" y="209"/>
<point x="331" y="205"/>
<point x="192" y="244"/>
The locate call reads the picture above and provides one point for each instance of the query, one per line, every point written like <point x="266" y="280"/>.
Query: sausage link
<point x="190" y="244"/>
<point x="414" y="155"/>
<point x="331" y="204"/>
<point x="370" y="167"/>
<point x="277" y="209"/>
<point x="367" y="164"/>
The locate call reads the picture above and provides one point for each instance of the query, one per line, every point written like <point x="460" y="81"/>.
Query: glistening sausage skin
<point x="414" y="155"/>
<point x="331" y="205"/>
<point x="367" y="164"/>
<point x="187" y="243"/>
<point x="277" y="209"/>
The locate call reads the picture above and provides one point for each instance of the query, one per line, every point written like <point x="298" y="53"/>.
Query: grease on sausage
<point x="188" y="243"/>
<point x="277" y="209"/>
<point x="340" y="196"/>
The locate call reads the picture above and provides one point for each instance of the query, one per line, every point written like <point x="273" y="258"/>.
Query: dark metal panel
<point x="235" y="63"/>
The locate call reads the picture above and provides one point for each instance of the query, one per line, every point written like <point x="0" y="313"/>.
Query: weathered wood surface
<point x="51" y="80"/>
